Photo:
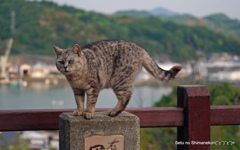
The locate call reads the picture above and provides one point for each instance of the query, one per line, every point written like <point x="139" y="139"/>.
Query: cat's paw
<point x="77" y="113"/>
<point x="114" y="113"/>
<point x="89" y="115"/>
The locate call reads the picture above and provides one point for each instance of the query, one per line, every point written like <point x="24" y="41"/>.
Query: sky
<point x="198" y="8"/>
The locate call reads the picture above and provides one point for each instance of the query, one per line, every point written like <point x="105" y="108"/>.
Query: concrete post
<point x="102" y="132"/>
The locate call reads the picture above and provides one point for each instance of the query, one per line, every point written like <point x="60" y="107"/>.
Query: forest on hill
<point x="39" y="25"/>
<point x="218" y="22"/>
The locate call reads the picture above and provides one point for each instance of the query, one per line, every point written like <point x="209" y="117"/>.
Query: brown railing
<point x="193" y="116"/>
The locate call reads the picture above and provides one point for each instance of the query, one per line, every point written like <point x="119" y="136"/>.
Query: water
<point x="41" y="96"/>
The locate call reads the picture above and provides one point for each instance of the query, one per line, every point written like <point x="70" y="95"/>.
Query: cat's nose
<point x="65" y="67"/>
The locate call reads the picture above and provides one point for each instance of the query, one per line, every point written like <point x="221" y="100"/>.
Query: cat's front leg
<point x="79" y="97"/>
<point x="92" y="96"/>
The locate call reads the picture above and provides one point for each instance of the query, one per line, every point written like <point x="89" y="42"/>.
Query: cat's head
<point x="69" y="61"/>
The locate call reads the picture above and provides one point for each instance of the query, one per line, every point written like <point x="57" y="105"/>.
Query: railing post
<point x="195" y="133"/>
<point x="101" y="132"/>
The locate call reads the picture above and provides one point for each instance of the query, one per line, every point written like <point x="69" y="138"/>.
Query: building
<point x="25" y="70"/>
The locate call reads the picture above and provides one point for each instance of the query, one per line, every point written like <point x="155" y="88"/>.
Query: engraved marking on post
<point x="112" y="142"/>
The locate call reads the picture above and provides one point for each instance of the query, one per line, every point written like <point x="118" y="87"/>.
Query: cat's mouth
<point x="70" y="75"/>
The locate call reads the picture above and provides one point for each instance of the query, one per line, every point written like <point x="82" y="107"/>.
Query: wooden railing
<point x="193" y="116"/>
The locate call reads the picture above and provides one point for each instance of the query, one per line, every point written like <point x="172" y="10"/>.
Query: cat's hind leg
<point x="124" y="94"/>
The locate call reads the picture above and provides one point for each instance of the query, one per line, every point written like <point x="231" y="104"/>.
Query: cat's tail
<point x="163" y="75"/>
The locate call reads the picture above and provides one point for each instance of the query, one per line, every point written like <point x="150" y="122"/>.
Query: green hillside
<point x="41" y="25"/>
<point x="188" y="20"/>
<point x="222" y="23"/>
<point x="217" y="22"/>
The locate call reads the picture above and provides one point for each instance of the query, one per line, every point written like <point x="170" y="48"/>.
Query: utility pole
<point x="12" y="21"/>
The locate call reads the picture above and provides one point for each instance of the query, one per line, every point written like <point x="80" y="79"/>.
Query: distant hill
<point x="157" y="12"/>
<point x="160" y="11"/>
<point x="217" y="22"/>
<point x="41" y="25"/>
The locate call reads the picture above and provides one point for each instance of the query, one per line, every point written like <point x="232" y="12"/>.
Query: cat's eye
<point x="70" y="61"/>
<point x="61" y="62"/>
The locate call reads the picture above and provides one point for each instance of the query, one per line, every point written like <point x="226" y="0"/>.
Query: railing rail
<point x="18" y="120"/>
<point x="193" y="117"/>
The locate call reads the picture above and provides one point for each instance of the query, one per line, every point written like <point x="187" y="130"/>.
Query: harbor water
<point x="39" y="95"/>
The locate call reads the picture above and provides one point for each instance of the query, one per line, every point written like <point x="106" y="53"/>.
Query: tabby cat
<point x="106" y="64"/>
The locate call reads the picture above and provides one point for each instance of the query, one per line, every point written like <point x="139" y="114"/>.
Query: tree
<point x="220" y="94"/>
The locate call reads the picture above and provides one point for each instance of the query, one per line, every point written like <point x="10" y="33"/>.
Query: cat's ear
<point x="77" y="49"/>
<point x="58" y="50"/>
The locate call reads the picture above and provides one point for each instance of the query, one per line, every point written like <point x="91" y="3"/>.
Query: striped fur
<point x="106" y="64"/>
